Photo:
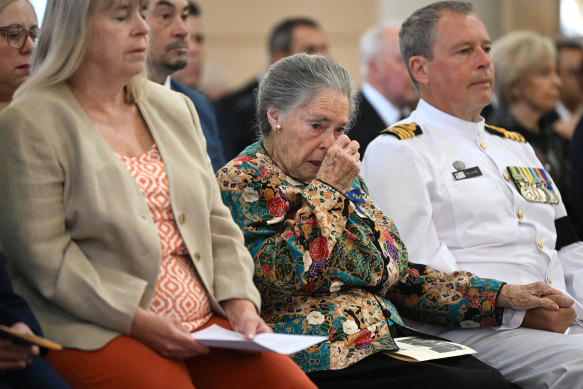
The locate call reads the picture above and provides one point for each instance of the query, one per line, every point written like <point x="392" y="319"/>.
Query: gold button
<point x="483" y="145"/>
<point x="506" y="176"/>
<point x="549" y="280"/>
<point x="520" y="214"/>
<point x="539" y="244"/>
<point x="197" y="256"/>
<point x="181" y="218"/>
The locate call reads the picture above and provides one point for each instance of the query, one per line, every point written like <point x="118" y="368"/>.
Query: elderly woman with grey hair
<point x="327" y="260"/>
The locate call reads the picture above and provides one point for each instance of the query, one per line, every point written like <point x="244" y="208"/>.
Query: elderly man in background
<point x="388" y="93"/>
<point x="470" y="196"/>
<point x="236" y="111"/>
<point x="168" y="48"/>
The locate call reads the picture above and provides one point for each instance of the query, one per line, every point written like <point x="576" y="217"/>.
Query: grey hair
<point x="371" y="44"/>
<point x="295" y="80"/>
<point x="418" y="32"/>
<point x="62" y="45"/>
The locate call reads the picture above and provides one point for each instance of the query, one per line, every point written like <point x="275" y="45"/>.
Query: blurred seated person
<point x="197" y="74"/>
<point x="118" y="255"/>
<point x="527" y="87"/>
<point x="18" y="33"/>
<point x="236" y="110"/>
<point x="570" y="106"/>
<point x="20" y="365"/>
<point x="328" y="261"/>
<point x="387" y="95"/>
<point x="168" y="42"/>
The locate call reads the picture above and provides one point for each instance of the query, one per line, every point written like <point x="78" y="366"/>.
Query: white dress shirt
<point x="386" y="110"/>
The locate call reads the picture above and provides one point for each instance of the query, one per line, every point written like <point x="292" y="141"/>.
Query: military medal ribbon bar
<point x="534" y="184"/>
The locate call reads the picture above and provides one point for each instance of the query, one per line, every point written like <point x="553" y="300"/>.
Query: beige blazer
<point x="81" y="245"/>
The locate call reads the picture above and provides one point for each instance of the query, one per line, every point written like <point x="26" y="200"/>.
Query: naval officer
<point x="469" y="196"/>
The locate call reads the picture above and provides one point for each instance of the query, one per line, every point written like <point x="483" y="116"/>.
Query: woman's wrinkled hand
<point x="341" y="165"/>
<point x="164" y="335"/>
<point x="243" y="317"/>
<point x="536" y="295"/>
<point x="16" y="356"/>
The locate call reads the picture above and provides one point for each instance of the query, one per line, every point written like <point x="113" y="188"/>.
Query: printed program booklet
<point x="216" y="336"/>
<point x="418" y="349"/>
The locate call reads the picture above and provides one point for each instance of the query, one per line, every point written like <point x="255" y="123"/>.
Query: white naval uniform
<point x="484" y="225"/>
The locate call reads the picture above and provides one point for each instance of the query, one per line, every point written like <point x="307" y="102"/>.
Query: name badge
<point x="467" y="173"/>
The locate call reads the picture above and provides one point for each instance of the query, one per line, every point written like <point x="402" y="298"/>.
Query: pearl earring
<point x="277" y="128"/>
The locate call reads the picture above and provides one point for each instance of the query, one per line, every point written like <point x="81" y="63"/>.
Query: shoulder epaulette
<point x="403" y="131"/>
<point x="499" y="131"/>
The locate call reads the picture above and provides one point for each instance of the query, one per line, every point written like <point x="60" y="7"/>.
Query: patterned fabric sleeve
<point x="458" y="299"/>
<point x="290" y="233"/>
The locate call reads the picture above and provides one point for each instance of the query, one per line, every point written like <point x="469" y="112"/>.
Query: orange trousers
<point x="127" y="363"/>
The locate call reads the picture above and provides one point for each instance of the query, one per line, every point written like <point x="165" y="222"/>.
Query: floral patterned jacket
<point x="332" y="264"/>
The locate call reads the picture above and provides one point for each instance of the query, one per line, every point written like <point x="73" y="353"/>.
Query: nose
<point x="483" y="59"/>
<point x="28" y="46"/>
<point x="179" y="27"/>
<point x="327" y="140"/>
<point x="142" y="27"/>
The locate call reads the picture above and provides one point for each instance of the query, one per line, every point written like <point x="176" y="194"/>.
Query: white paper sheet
<point x="216" y="336"/>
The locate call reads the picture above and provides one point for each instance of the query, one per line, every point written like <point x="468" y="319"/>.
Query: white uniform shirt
<point x="480" y="224"/>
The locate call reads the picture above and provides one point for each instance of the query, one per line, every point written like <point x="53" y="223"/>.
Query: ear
<point x="418" y="68"/>
<point x="273" y="116"/>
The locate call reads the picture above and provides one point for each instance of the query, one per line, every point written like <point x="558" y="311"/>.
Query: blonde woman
<point x="113" y="223"/>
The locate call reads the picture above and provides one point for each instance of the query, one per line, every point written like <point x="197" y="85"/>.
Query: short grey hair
<point x="418" y="32"/>
<point x="296" y="80"/>
<point x="371" y="44"/>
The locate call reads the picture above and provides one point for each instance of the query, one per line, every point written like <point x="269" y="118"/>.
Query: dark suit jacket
<point x="367" y="124"/>
<point x="208" y="122"/>
<point x="576" y="153"/>
<point x="13" y="308"/>
<point x="236" y="117"/>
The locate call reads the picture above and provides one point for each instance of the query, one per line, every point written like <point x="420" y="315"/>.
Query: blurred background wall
<point x="237" y="30"/>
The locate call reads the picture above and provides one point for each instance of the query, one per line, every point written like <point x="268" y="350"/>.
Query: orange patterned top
<point x="179" y="293"/>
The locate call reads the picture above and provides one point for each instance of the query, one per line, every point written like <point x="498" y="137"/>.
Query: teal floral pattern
<point x="332" y="264"/>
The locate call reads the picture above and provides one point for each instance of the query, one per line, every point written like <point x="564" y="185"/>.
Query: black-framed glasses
<point x="16" y="35"/>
